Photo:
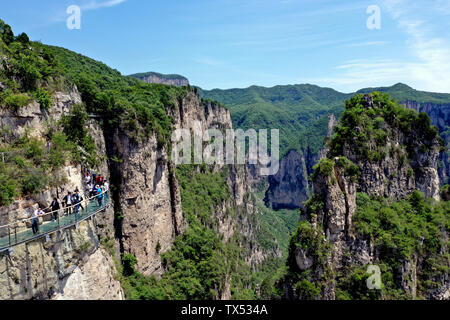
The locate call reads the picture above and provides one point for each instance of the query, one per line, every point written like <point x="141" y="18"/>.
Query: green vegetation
<point x="43" y="97"/>
<point x="401" y="231"/>
<point x="351" y="284"/>
<point x="324" y="168"/>
<point x="402" y="228"/>
<point x="29" y="166"/>
<point x="135" y="106"/>
<point x="316" y="248"/>
<point x="74" y="126"/>
<point x="275" y="227"/>
<point x="199" y="262"/>
<point x="366" y="130"/>
<point x="350" y="169"/>
<point x="300" y="112"/>
<point x="27" y="68"/>
<point x="17" y="101"/>
<point x="201" y="193"/>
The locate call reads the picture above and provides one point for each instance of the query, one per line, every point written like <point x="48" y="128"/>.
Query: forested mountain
<point x="375" y="205"/>
<point x="186" y="232"/>
<point x="204" y="231"/>
<point x="302" y="114"/>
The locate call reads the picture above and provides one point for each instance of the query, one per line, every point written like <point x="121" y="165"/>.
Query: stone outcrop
<point x="33" y="116"/>
<point x="65" y="263"/>
<point x="287" y="188"/>
<point x="149" y="201"/>
<point x="399" y="172"/>
<point x="154" y="77"/>
<point x="94" y="279"/>
<point x="331" y="210"/>
<point x="440" y="117"/>
<point x="62" y="267"/>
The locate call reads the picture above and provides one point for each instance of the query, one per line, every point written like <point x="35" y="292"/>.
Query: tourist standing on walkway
<point x="76" y="199"/>
<point x="105" y="186"/>
<point x="68" y="202"/>
<point x="87" y="178"/>
<point x="99" y="195"/>
<point x="35" y="221"/>
<point x="55" y="208"/>
<point x="93" y="191"/>
<point x="100" y="180"/>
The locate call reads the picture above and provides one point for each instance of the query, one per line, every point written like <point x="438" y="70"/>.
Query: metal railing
<point x="19" y="231"/>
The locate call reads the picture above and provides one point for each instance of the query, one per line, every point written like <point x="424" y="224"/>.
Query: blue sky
<point x="238" y="43"/>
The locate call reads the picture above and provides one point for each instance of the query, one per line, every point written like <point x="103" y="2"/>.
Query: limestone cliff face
<point x="154" y="77"/>
<point x="69" y="266"/>
<point x="32" y="116"/>
<point x="332" y="244"/>
<point x="59" y="267"/>
<point x="287" y="189"/>
<point x="440" y="117"/>
<point x="394" y="176"/>
<point x="93" y="279"/>
<point x="148" y="198"/>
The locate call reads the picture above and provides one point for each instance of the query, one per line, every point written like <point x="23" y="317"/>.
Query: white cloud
<point x="94" y="4"/>
<point x="431" y="68"/>
<point x="368" y="43"/>
<point x="428" y="64"/>
<point x="209" y="61"/>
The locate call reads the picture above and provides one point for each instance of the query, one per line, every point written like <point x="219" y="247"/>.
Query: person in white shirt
<point x="67" y="200"/>
<point x="35" y="221"/>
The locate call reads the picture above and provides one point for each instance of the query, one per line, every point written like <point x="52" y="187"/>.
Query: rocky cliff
<point x="148" y="197"/>
<point x="440" y="117"/>
<point x="168" y="79"/>
<point x="366" y="210"/>
<point x="289" y="188"/>
<point x="63" y="265"/>
<point x="144" y="220"/>
<point x="283" y="185"/>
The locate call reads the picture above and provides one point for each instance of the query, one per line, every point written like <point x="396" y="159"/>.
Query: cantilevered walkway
<point x="19" y="232"/>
